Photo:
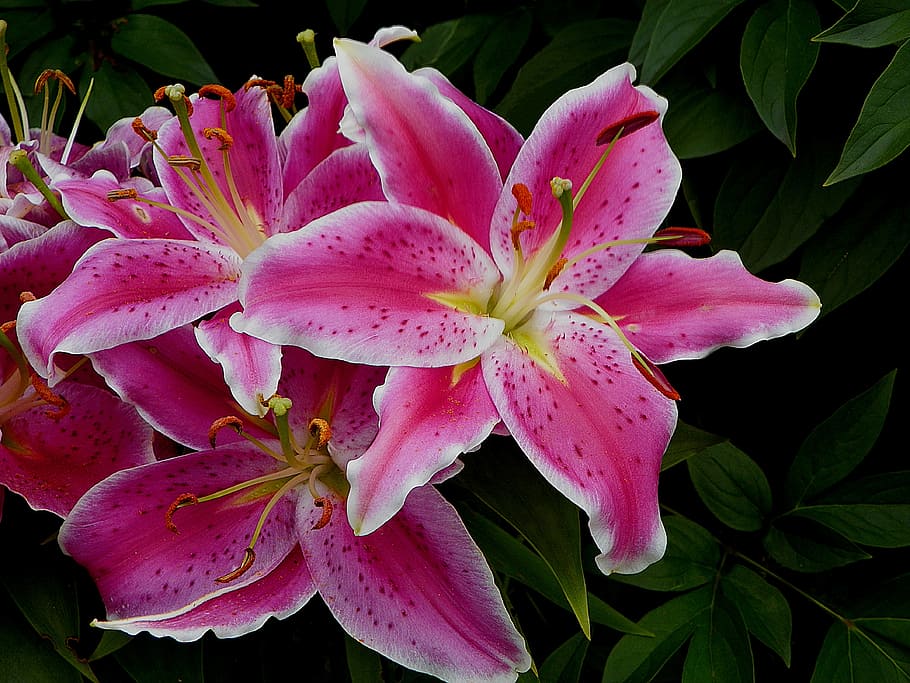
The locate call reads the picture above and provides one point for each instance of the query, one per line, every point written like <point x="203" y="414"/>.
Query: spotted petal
<point x="592" y="425"/>
<point x="417" y="590"/>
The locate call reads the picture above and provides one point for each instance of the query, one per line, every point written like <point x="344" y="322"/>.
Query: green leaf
<point x="364" y="664"/>
<point x="499" y="51"/>
<point x="231" y="3"/>
<point x="720" y="648"/>
<point x="763" y="607"/>
<point x="545" y="518"/>
<point x="885" y="488"/>
<point x="161" y="660"/>
<point x="732" y="486"/>
<point x="691" y="560"/>
<point x="637" y="659"/>
<point x="839" y="444"/>
<point x="344" y="13"/>
<point x="138" y="5"/>
<point x="805" y="546"/>
<point x="859" y="653"/>
<point x="111" y="641"/>
<point x="776" y="59"/>
<point x="162" y="47"/>
<point x="507" y="555"/>
<point x="448" y="45"/>
<point x="871" y="23"/>
<point x="25" y="653"/>
<point x="686" y="442"/>
<point x="882" y="526"/>
<point x="117" y="93"/>
<point x="858" y="246"/>
<point x="565" y="662"/>
<point x="576" y="55"/>
<point x="703" y="119"/>
<point x="883" y="128"/>
<point x="670" y="28"/>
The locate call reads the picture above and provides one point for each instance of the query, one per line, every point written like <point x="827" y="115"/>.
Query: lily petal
<point x="593" y="426"/>
<point x="427" y="418"/>
<point x="356" y="285"/>
<point x="674" y="307"/>
<point x="418" y="590"/>
<point x="126" y="290"/>
<point x="427" y="151"/>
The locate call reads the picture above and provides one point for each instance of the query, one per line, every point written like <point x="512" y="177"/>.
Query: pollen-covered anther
<point x="7" y="326"/>
<point x="626" y="126"/>
<point x="682" y="237"/>
<point x="180" y="501"/>
<point x="258" y="83"/>
<point x="523" y="196"/>
<point x="554" y="271"/>
<point x="58" y="76"/>
<point x="657" y="379"/>
<point x="321" y="431"/>
<point x="213" y="91"/>
<point x="231" y="421"/>
<point x="289" y="92"/>
<point x="185" y="161"/>
<point x="517" y="229"/>
<point x="219" y="134"/>
<point x="48" y="396"/>
<point x="125" y="193"/>
<point x="325" y="503"/>
<point x="144" y="131"/>
<point x="26" y="296"/>
<point x="248" y="558"/>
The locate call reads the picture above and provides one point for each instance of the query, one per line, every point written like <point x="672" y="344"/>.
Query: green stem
<point x="8" y="85"/>
<point x="19" y="159"/>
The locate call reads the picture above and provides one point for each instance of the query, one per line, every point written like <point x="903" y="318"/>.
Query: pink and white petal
<point x="121" y="131"/>
<point x="312" y="135"/>
<point x="628" y="198"/>
<point x="39" y="264"/>
<point x="113" y="157"/>
<point x="428" y="152"/>
<point x="356" y="285"/>
<point x="118" y="532"/>
<point x="52" y="462"/>
<point x="252" y="158"/>
<point x="597" y="433"/>
<point x="175" y="386"/>
<point x="339" y="392"/>
<point x="14" y="230"/>
<point x="674" y="307"/>
<point x="426" y="420"/>
<point x="126" y="290"/>
<point x="86" y="201"/>
<point x="251" y="366"/>
<point x="391" y="34"/>
<point x="346" y="176"/>
<point x="501" y="137"/>
<point x="418" y="590"/>
<point x="279" y="594"/>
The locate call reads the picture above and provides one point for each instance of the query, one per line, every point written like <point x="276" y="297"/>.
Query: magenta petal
<point x="673" y="307"/>
<point x="52" y="462"/>
<point x="418" y="590"/>
<point x="426" y="422"/>
<point x="356" y="285"/>
<point x="174" y="386"/>
<point x="427" y="151"/>
<point x="125" y="290"/>
<point x="280" y="593"/>
<point x="251" y="366"/>
<point x="143" y="569"/>
<point x="597" y="433"/>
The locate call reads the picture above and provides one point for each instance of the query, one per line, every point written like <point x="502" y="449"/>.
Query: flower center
<point x="21" y="389"/>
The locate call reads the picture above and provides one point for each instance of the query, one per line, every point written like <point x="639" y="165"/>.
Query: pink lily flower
<point x="529" y="301"/>
<point x="164" y="542"/>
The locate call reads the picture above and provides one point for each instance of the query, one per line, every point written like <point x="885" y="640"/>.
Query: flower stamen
<point x="325" y="503"/>
<point x="626" y="126"/>
<point x="221" y="135"/>
<point x="144" y="131"/>
<point x="49" y="397"/>
<point x="249" y="557"/>
<point x="213" y="91"/>
<point x="180" y="501"/>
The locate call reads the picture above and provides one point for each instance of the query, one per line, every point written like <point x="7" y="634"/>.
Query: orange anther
<point x="221" y="135"/>
<point x="160" y="93"/>
<point x="182" y="160"/>
<point x="517" y="229"/>
<point x="125" y="193"/>
<point x="7" y="326"/>
<point x="321" y="431"/>
<point x="219" y="92"/>
<point x="58" y="76"/>
<point x="289" y="92"/>
<point x="682" y="237"/>
<point x="248" y="558"/>
<point x="555" y="270"/>
<point x="523" y="196"/>
<point x="231" y="421"/>
<point x="180" y="501"/>
<point x="651" y="373"/>
<point x="626" y="126"/>
<point x="143" y="131"/>
<point x="326" y="504"/>
<point x="258" y="83"/>
<point x="48" y="396"/>
<point x="26" y="296"/>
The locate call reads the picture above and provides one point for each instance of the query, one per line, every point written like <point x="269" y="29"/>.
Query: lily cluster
<point x="324" y="320"/>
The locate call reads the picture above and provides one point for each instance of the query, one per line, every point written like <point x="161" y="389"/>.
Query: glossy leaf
<point x="858" y="246"/>
<point x="882" y="526"/>
<point x="448" y="45"/>
<point x="805" y="546"/>
<point x="859" y="652"/>
<point x="763" y="607"/>
<point x="669" y="29"/>
<point x="547" y="520"/>
<point x="111" y="641"/>
<point x="637" y="659"/>
<point x="344" y="13"/>
<point x="115" y="94"/>
<point x="883" y="128"/>
<point x="29" y="655"/>
<point x="720" y="648"/>
<point x="870" y="23"/>
<point x="776" y="59"/>
<point x="836" y="446"/>
<point x="499" y="51"/>
<point x="364" y="664"/>
<point x="575" y="56"/>
<point x="691" y="560"/>
<point x="159" y="45"/>
<point x="565" y="662"/>
<point x="732" y="486"/>
<point x="882" y="489"/>
<point x="686" y="442"/>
